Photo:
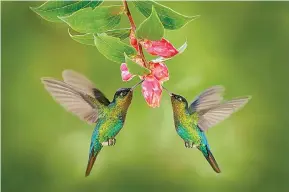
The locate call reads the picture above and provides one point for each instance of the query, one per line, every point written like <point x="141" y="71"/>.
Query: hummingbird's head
<point x="123" y="95"/>
<point x="178" y="101"/>
<point x="122" y="98"/>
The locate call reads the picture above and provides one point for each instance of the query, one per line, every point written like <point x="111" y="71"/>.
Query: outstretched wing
<point x="220" y="112"/>
<point x="207" y="99"/>
<point x="73" y="100"/>
<point x="80" y="82"/>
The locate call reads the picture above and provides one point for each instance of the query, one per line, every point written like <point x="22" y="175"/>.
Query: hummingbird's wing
<point x="220" y="112"/>
<point x="207" y="99"/>
<point x="80" y="82"/>
<point x="73" y="100"/>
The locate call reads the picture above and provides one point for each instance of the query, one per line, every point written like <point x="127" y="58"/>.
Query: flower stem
<point x="133" y="28"/>
<point x="132" y="24"/>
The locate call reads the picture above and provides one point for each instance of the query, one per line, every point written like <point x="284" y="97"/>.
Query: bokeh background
<point x="241" y="45"/>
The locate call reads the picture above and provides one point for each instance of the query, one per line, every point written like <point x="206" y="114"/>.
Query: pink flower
<point x="161" y="48"/>
<point x="159" y="71"/>
<point x="125" y="74"/>
<point x="152" y="91"/>
<point x="152" y="84"/>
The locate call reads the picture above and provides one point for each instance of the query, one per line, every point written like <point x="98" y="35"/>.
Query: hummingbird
<point x="205" y="111"/>
<point x="78" y="95"/>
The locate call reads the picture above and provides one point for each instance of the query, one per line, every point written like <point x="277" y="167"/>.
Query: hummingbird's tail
<point x="92" y="157"/>
<point x="210" y="158"/>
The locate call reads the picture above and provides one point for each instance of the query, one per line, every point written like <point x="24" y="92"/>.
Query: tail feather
<point x="210" y="158"/>
<point x="91" y="160"/>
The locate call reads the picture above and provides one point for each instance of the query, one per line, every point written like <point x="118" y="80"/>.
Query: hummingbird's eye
<point x="180" y="99"/>
<point x="123" y="93"/>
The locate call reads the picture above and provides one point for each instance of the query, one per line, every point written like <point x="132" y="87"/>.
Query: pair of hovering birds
<point x="79" y="95"/>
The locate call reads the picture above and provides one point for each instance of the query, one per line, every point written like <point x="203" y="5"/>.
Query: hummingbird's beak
<point x="170" y="94"/>
<point x="131" y="89"/>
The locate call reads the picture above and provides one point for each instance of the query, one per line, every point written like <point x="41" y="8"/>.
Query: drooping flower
<point x="152" y="84"/>
<point x="161" y="48"/>
<point x="158" y="71"/>
<point x="125" y="74"/>
<point x="152" y="91"/>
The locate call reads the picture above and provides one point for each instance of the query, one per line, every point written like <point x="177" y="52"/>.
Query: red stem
<point x="133" y="27"/>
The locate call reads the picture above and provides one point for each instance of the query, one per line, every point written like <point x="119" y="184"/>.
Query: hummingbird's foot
<point x="187" y="144"/>
<point x="190" y="144"/>
<point x="111" y="141"/>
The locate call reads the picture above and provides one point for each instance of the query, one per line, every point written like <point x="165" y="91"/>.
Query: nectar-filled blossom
<point x="125" y="74"/>
<point x="152" y="91"/>
<point x="161" y="48"/>
<point x="158" y="71"/>
<point x="152" y="84"/>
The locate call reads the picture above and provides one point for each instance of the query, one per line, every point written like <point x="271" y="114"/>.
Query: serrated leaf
<point x="170" y="19"/>
<point x="180" y="50"/>
<point x="135" y="68"/>
<point x="51" y="10"/>
<point x="151" y="28"/>
<point x="113" y="48"/>
<point x="88" y="38"/>
<point x="97" y="20"/>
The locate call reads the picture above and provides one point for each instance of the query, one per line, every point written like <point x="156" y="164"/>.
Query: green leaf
<point x="135" y="68"/>
<point x="119" y="33"/>
<point x="151" y="28"/>
<point x="180" y="50"/>
<point x="88" y="38"/>
<point x="170" y="19"/>
<point x="51" y="10"/>
<point x="98" y="20"/>
<point x="112" y="48"/>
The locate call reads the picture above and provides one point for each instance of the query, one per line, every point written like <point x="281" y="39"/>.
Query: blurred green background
<point x="241" y="45"/>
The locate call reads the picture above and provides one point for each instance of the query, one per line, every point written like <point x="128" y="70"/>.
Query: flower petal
<point x="180" y="50"/>
<point x="125" y="74"/>
<point x="161" y="48"/>
<point x="159" y="71"/>
<point x="152" y="91"/>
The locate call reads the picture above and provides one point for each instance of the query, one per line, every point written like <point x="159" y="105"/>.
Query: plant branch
<point x="133" y="28"/>
<point x="132" y="24"/>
